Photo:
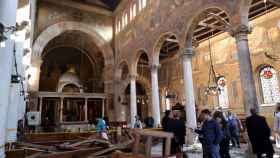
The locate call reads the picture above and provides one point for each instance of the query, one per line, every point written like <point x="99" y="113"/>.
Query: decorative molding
<point x="155" y="67"/>
<point x="240" y="30"/>
<point x="188" y="52"/>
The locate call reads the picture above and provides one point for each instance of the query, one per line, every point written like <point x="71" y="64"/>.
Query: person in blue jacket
<point x="211" y="134"/>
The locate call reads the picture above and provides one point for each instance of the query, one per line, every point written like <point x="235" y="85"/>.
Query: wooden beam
<point x="215" y="27"/>
<point x="172" y="40"/>
<point x="81" y="6"/>
<point x="276" y="2"/>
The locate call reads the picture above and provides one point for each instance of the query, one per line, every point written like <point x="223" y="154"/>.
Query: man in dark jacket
<point x="259" y="134"/>
<point x="211" y="133"/>
<point x="149" y="122"/>
<point x="178" y="128"/>
<point x="167" y="118"/>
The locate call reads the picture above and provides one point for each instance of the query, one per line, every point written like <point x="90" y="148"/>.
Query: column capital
<point x="241" y="32"/>
<point x="187" y="52"/>
<point x="155" y="67"/>
<point x="133" y="76"/>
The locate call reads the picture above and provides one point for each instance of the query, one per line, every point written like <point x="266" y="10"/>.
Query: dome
<point x="68" y="78"/>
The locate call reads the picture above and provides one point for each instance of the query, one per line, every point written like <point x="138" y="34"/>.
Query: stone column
<point x="12" y="117"/>
<point x="133" y="99"/>
<point x="40" y="107"/>
<point x="86" y="109"/>
<point x="8" y="17"/>
<point x="189" y="93"/>
<point x="15" y="98"/>
<point x="155" y="95"/>
<point x="61" y="110"/>
<point x="103" y="108"/>
<point x="246" y="72"/>
<point x="40" y="104"/>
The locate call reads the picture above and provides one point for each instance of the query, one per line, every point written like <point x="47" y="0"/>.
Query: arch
<point x="138" y="54"/>
<point x="158" y="45"/>
<point x="190" y="26"/>
<point x="61" y="86"/>
<point x="119" y="69"/>
<point x="135" y="59"/>
<point x="56" y="29"/>
<point x="92" y="61"/>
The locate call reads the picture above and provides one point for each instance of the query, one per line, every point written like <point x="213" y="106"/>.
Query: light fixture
<point x="15" y="78"/>
<point x="212" y="88"/>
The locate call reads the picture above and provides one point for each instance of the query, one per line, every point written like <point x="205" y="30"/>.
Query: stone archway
<point x="57" y="29"/>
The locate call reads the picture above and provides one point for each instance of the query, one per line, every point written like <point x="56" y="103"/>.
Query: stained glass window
<point x="223" y="95"/>
<point x="269" y="85"/>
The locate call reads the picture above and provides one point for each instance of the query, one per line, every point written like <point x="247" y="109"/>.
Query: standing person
<point x="224" y="144"/>
<point x="277" y="125"/>
<point x="235" y="128"/>
<point x="101" y="128"/>
<point x="106" y="119"/>
<point x="138" y="123"/>
<point x="167" y="116"/>
<point x="149" y="122"/>
<point x="179" y="131"/>
<point x="259" y="134"/>
<point x="211" y="134"/>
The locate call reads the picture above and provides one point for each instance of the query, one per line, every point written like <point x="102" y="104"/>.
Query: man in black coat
<point x="259" y="134"/>
<point x="178" y="128"/>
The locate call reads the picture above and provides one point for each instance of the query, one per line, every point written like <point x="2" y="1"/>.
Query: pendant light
<point x="212" y="87"/>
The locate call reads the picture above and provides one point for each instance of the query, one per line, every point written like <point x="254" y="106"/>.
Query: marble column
<point x="155" y="95"/>
<point x="7" y="17"/>
<point x="133" y="99"/>
<point x="189" y="93"/>
<point x="15" y="98"/>
<point x="103" y="108"/>
<point x="246" y="71"/>
<point x="61" y="110"/>
<point x="86" y="109"/>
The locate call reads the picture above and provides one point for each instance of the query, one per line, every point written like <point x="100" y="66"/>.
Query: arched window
<point x="126" y="19"/>
<point x="134" y="10"/>
<point x="269" y="85"/>
<point x="140" y="5"/>
<point x="131" y="13"/>
<point x="119" y="25"/>
<point x="123" y="21"/>
<point x="223" y="95"/>
<point x="144" y="3"/>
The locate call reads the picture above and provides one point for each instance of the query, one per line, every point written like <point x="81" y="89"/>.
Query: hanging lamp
<point x="212" y="87"/>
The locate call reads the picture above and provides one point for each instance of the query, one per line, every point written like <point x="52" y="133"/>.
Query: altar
<point x="70" y="112"/>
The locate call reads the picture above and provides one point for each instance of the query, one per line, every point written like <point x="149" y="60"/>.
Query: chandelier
<point x="212" y="87"/>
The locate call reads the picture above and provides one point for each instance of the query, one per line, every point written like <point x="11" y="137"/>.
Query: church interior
<point x="65" y="63"/>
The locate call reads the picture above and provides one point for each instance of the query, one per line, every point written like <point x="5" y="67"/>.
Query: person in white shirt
<point x="138" y="123"/>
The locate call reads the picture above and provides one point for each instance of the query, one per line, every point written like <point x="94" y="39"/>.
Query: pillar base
<point x="11" y="137"/>
<point x="190" y="137"/>
<point x="2" y="151"/>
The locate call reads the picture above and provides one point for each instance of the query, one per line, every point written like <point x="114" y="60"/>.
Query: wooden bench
<point x="149" y="135"/>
